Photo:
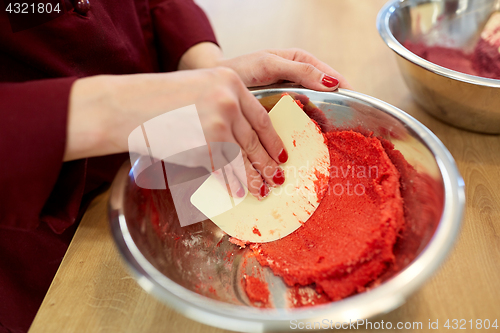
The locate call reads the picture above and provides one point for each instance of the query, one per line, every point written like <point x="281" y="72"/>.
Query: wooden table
<point x="93" y="292"/>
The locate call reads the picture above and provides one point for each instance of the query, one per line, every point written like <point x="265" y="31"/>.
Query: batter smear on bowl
<point x="256" y="290"/>
<point x="348" y="242"/>
<point x="483" y="61"/>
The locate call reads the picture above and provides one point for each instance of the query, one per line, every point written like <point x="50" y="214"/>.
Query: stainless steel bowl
<point x="462" y="100"/>
<point x="196" y="271"/>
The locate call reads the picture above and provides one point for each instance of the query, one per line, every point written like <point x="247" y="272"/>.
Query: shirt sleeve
<point x="178" y="25"/>
<point x="33" y="137"/>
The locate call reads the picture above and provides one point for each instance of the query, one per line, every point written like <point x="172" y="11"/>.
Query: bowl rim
<point x="383" y="18"/>
<point x="381" y="299"/>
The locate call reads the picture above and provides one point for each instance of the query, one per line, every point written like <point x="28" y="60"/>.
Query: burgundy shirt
<point x="41" y="198"/>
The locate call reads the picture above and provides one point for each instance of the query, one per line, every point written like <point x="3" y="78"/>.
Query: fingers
<point x="323" y="75"/>
<point x="236" y="176"/>
<point x="254" y="151"/>
<point x="302" y="73"/>
<point x="235" y="115"/>
<point x="256" y="185"/>
<point x="259" y="140"/>
<point x="262" y="148"/>
<point x="238" y="171"/>
<point x="242" y="170"/>
<point x="258" y="118"/>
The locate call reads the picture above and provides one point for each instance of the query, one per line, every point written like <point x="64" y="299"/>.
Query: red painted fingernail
<point x="329" y="81"/>
<point x="240" y="193"/>
<point x="279" y="176"/>
<point x="264" y="190"/>
<point x="283" y="156"/>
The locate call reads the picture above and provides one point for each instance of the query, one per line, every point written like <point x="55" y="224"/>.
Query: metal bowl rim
<point x="385" y="32"/>
<point x="381" y="299"/>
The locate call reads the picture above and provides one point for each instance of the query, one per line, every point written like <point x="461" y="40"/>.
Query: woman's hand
<point x="230" y="113"/>
<point x="295" y="65"/>
<point x="104" y="110"/>
<point x="268" y="67"/>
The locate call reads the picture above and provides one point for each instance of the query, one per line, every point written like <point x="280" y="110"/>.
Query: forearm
<point x="103" y="110"/>
<point x="201" y="55"/>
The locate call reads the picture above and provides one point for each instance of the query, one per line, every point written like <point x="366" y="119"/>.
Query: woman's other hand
<point x="268" y="66"/>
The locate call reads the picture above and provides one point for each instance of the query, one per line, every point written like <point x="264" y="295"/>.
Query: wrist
<point x="85" y="130"/>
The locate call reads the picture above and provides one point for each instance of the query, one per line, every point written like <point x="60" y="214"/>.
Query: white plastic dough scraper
<point x="288" y="206"/>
